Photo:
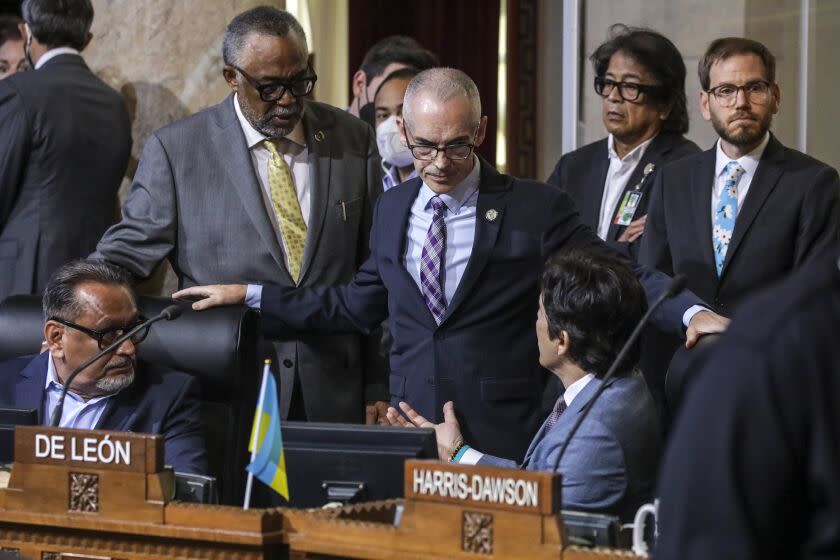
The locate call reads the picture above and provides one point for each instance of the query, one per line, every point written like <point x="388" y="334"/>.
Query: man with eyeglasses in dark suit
<point x="640" y="77"/>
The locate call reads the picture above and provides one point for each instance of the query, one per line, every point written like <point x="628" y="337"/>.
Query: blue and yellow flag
<point x="268" y="463"/>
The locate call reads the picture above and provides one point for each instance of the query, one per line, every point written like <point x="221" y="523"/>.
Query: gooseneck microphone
<point x="169" y="313"/>
<point x="676" y="286"/>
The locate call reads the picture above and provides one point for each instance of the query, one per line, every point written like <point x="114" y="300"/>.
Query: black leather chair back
<point x="218" y="346"/>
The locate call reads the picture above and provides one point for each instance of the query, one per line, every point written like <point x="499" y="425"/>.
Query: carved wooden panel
<point x="50" y="556"/>
<point x="84" y="492"/>
<point x="477" y="532"/>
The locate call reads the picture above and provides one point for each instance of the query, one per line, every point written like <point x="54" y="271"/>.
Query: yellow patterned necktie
<point x="286" y="208"/>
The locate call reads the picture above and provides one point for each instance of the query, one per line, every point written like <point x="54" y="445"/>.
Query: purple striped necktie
<point x="559" y="407"/>
<point x="431" y="262"/>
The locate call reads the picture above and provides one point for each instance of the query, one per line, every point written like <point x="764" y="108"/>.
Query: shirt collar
<point x="633" y="156"/>
<point x="52" y="53"/>
<point x="748" y="161"/>
<point x="575" y="388"/>
<point x="253" y="137"/>
<point x="457" y="197"/>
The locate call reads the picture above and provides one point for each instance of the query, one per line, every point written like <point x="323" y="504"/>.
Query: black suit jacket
<point x="583" y="173"/>
<point x="751" y="470"/>
<point x="158" y="402"/>
<point x="65" y="140"/>
<point x="483" y="356"/>
<point x="791" y="213"/>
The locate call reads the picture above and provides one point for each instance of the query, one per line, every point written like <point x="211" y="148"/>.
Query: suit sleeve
<point x="566" y="232"/>
<point x="146" y="233"/>
<point x="375" y="364"/>
<point x="556" y="177"/>
<point x="359" y="306"/>
<point x="14" y="148"/>
<point x="819" y="217"/>
<point x="493" y="461"/>
<point x="183" y="432"/>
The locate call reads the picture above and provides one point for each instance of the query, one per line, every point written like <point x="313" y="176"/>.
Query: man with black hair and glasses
<point x="65" y="140"/>
<point x="87" y="306"/>
<point x="455" y="260"/>
<point x="640" y="77"/>
<point x="265" y="187"/>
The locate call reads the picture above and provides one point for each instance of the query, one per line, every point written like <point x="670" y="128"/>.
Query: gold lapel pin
<point x="491" y="215"/>
<point x="319" y="136"/>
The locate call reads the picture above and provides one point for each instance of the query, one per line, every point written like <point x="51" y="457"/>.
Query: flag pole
<point x="255" y="433"/>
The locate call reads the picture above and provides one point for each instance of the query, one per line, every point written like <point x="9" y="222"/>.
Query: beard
<point x="110" y="384"/>
<point x="743" y="136"/>
<point x="262" y="122"/>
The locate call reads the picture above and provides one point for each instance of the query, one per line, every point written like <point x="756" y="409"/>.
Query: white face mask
<point x="390" y="148"/>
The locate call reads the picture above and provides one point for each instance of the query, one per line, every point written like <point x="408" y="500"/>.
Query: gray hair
<point x="443" y="84"/>
<point x="60" y="297"/>
<point x="264" y="20"/>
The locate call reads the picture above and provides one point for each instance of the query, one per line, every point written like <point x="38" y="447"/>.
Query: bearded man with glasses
<point x="87" y="306"/>
<point x="268" y="186"/>
<point x="747" y="212"/>
<point x="456" y="255"/>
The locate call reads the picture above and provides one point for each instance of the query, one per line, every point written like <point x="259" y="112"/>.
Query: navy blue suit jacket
<point x="483" y="356"/>
<point x="583" y="174"/>
<point x="157" y="402"/>
<point x="751" y="467"/>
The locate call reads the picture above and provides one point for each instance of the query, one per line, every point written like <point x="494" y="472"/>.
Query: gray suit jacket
<point x="611" y="462"/>
<point x="197" y="201"/>
<point x="65" y="140"/>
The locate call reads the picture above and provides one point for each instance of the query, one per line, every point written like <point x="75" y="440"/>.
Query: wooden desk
<point x="75" y="506"/>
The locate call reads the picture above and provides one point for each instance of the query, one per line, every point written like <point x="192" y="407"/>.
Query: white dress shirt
<point x="52" y="53"/>
<point x="617" y="177"/>
<point x="748" y="162"/>
<point x="296" y="156"/>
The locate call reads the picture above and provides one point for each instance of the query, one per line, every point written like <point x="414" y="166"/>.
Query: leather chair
<point x="683" y="370"/>
<point x="218" y="346"/>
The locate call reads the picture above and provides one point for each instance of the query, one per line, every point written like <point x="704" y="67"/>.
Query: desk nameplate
<point x="89" y="449"/>
<point x="485" y="487"/>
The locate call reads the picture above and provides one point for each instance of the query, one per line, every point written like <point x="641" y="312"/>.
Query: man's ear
<point x="54" y="338"/>
<point x="401" y="128"/>
<point x="704" y="106"/>
<point x="359" y="83"/>
<point x="230" y="77"/>
<point x="563" y="343"/>
<point x="482" y="132"/>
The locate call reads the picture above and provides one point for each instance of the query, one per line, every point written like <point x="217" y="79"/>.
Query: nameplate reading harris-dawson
<point x="491" y="487"/>
<point x="94" y="449"/>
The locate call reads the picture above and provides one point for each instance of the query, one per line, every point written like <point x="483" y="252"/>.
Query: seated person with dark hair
<point x="589" y="304"/>
<point x="87" y="306"/>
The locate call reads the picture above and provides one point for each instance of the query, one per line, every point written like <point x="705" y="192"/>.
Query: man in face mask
<point x="397" y="163"/>
<point x="383" y="58"/>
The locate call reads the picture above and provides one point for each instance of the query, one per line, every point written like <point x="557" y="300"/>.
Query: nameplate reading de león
<point x="485" y="486"/>
<point x="93" y="449"/>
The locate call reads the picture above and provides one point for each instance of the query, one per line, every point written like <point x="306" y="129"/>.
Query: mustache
<point x="122" y="362"/>
<point x="283" y="112"/>
<point x="742" y="115"/>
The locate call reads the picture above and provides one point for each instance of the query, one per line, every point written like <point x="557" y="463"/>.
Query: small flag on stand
<point x="266" y="443"/>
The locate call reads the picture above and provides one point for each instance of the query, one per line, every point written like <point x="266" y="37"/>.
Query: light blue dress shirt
<point x="391" y="176"/>
<point x="77" y="413"/>
<point x="459" y="218"/>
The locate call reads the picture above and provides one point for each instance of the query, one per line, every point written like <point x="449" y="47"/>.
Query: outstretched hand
<point x="213" y="295"/>
<point x="448" y="432"/>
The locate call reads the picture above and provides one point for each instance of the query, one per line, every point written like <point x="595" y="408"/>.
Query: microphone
<point x="169" y="313"/>
<point x="676" y="286"/>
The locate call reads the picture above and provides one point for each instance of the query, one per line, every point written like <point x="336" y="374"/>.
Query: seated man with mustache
<point x="87" y="306"/>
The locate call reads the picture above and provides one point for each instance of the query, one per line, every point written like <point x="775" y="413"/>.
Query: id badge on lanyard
<point x="631" y="201"/>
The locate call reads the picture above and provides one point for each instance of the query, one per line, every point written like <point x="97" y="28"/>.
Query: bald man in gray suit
<point x="202" y="197"/>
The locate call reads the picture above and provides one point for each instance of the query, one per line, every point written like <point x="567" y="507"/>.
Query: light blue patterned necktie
<point x="725" y="212"/>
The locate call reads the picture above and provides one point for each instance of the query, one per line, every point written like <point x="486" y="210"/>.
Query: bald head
<point x="442" y="85"/>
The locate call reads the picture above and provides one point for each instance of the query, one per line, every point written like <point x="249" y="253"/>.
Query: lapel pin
<point x="319" y="136"/>
<point x="491" y="215"/>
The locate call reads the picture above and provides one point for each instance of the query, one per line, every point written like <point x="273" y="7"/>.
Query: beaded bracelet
<point x="455" y="454"/>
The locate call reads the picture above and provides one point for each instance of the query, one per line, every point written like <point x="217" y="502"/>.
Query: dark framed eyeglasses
<point x="275" y="89"/>
<point x="629" y="91"/>
<point x="757" y="92"/>
<point x="426" y="152"/>
<point x="106" y="338"/>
